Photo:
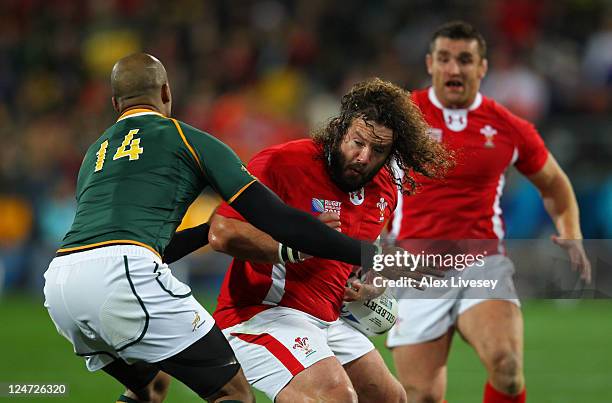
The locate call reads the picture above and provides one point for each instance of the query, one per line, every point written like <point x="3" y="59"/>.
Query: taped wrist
<point x="287" y="254"/>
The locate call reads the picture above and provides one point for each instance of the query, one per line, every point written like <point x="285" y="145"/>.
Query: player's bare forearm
<point x="558" y="198"/>
<point x="242" y="240"/>
<point x="560" y="203"/>
<point x="562" y="207"/>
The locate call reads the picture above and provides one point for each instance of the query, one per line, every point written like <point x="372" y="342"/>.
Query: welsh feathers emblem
<point x="488" y="132"/>
<point x="357" y="197"/>
<point x="301" y="343"/>
<point x="382" y="206"/>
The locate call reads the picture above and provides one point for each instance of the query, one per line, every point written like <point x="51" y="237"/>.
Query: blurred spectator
<point x="597" y="66"/>
<point x="513" y="84"/>
<point x="16" y="220"/>
<point x="598" y="55"/>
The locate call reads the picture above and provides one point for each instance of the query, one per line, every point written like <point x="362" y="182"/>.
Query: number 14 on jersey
<point x="133" y="152"/>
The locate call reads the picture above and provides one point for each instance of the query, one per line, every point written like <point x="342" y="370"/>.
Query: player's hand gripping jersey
<point x="297" y="173"/>
<point x="486" y="139"/>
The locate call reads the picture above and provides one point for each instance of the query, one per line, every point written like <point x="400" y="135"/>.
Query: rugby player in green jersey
<point x="109" y="289"/>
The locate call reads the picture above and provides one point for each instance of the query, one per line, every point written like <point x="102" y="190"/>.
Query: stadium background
<point x="255" y="73"/>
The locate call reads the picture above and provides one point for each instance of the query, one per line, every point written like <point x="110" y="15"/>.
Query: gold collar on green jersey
<point x="138" y="112"/>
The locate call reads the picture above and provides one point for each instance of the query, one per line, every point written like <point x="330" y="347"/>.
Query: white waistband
<point x="106" y="251"/>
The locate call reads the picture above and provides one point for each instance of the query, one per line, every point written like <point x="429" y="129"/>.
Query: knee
<point x="245" y="393"/>
<point x="327" y="391"/>
<point x="396" y="393"/>
<point x="506" y="371"/>
<point x="159" y="388"/>
<point x="237" y="389"/>
<point x="339" y="393"/>
<point x="154" y="392"/>
<point x="423" y="393"/>
<point x="390" y="391"/>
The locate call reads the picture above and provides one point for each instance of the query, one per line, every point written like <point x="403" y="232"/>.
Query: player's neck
<point x="141" y="105"/>
<point x="472" y="103"/>
<point x="465" y="105"/>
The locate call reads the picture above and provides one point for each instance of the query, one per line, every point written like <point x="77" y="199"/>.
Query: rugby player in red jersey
<point x="486" y="140"/>
<point x="279" y="313"/>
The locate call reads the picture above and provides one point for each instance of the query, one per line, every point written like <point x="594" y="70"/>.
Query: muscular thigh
<point x="365" y="367"/>
<point x="493" y="327"/>
<point x="319" y="382"/>
<point x="371" y="378"/>
<point x="421" y="367"/>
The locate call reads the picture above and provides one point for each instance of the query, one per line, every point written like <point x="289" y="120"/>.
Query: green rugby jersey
<point x="138" y="179"/>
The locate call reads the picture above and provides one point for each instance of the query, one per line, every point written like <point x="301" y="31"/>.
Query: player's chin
<point x="352" y="177"/>
<point x="455" y="98"/>
<point x="455" y="92"/>
<point x="354" y="182"/>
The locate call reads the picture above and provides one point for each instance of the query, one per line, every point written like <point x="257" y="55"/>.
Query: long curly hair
<point x="388" y="105"/>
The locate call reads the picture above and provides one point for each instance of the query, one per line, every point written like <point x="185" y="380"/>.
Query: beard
<point x="338" y="168"/>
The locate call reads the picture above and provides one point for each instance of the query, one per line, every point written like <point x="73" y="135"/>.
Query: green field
<point x="568" y="354"/>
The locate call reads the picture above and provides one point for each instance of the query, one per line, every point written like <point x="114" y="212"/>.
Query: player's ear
<point x="484" y="67"/>
<point x="166" y="96"/>
<point x="429" y="62"/>
<point x="115" y="104"/>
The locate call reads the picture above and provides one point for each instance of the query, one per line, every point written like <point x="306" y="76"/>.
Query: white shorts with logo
<point x="420" y="319"/>
<point x="277" y="344"/>
<point x="122" y="302"/>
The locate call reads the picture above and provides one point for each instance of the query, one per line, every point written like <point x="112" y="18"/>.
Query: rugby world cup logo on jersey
<point x="325" y="206"/>
<point x="382" y="206"/>
<point x="488" y="132"/>
<point x="301" y="343"/>
<point x="357" y="197"/>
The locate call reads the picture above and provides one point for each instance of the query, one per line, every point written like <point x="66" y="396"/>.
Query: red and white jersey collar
<point x="434" y="100"/>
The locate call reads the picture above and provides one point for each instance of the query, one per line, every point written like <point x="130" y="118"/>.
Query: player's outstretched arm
<point x="243" y="241"/>
<point x="297" y="229"/>
<point x="560" y="203"/>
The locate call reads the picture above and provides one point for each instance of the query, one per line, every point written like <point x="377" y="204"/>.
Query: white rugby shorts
<point x="277" y="344"/>
<point x="420" y="319"/>
<point x="122" y="302"/>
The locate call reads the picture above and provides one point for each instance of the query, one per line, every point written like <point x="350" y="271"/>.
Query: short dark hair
<point x="382" y="102"/>
<point x="459" y="30"/>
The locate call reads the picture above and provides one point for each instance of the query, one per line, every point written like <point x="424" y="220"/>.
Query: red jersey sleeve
<point x="258" y="167"/>
<point x="532" y="152"/>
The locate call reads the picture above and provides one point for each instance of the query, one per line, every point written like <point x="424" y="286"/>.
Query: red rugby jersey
<point x="487" y="139"/>
<point x="296" y="173"/>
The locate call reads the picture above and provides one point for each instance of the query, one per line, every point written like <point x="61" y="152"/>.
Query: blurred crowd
<point x="255" y="73"/>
